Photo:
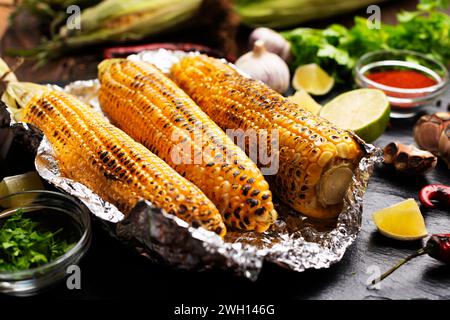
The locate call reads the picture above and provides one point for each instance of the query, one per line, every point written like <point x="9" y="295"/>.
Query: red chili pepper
<point x="437" y="247"/>
<point x="435" y="192"/>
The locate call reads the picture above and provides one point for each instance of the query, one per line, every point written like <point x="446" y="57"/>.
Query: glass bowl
<point x="55" y="210"/>
<point x="405" y="102"/>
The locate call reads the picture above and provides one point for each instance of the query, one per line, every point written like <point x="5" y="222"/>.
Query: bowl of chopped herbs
<point x="43" y="234"/>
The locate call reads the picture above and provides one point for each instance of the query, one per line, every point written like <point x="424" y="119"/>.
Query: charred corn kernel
<point x="146" y="104"/>
<point x="313" y="154"/>
<point x="105" y="159"/>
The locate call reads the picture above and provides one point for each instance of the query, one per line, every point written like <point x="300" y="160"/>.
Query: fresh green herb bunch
<point x="24" y="245"/>
<point x="336" y="48"/>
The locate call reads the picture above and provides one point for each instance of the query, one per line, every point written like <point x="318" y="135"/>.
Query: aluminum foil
<point x="293" y="242"/>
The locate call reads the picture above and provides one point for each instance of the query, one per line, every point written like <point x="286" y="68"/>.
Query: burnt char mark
<point x="245" y="189"/>
<point x="236" y="213"/>
<point x="252" y="202"/>
<point x="265" y="196"/>
<point x="260" y="211"/>
<point x="110" y="176"/>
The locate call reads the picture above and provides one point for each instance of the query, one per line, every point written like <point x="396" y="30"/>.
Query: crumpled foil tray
<point x="293" y="242"/>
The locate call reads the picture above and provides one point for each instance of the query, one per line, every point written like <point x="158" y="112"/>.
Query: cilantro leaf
<point x="24" y="245"/>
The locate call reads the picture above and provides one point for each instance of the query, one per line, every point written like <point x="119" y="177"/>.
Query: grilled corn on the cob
<point x="146" y="104"/>
<point x="105" y="159"/>
<point x="316" y="160"/>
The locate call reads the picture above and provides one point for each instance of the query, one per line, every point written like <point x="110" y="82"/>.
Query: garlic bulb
<point x="432" y="133"/>
<point x="274" y="42"/>
<point x="265" y="66"/>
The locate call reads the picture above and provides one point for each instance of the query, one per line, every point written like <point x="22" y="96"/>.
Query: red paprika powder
<point x="402" y="79"/>
<point x="405" y="79"/>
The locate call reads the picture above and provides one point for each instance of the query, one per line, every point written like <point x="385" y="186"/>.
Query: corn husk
<point x="17" y="94"/>
<point x="286" y="13"/>
<point x="135" y="18"/>
<point x="116" y="21"/>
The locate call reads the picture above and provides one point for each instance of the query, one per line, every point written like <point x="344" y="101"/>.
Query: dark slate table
<point x="112" y="271"/>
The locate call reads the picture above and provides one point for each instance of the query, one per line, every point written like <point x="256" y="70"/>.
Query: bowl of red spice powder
<point x="411" y="80"/>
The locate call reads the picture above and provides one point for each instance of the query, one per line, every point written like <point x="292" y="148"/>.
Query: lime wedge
<point x="365" y="111"/>
<point x="22" y="182"/>
<point x="313" y="79"/>
<point x="401" y="221"/>
<point x="305" y="101"/>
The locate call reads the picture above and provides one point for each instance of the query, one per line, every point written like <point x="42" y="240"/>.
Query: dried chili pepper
<point x="437" y="247"/>
<point x="435" y="192"/>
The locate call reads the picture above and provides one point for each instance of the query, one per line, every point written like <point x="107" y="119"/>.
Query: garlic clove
<point x="265" y="66"/>
<point x="427" y="130"/>
<point x="274" y="42"/>
<point x="432" y="133"/>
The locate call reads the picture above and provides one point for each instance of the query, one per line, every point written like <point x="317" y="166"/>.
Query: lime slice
<point x="305" y="101"/>
<point x="401" y="221"/>
<point x="365" y="111"/>
<point x="22" y="182"/>
<point x="313" y="79"/>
